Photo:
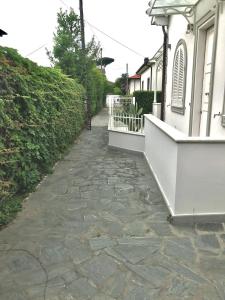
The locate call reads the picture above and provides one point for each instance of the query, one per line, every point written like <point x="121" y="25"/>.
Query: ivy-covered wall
<point x="41" y="113"/>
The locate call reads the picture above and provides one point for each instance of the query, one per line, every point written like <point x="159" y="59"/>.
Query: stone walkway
<point x="96" y="229"/>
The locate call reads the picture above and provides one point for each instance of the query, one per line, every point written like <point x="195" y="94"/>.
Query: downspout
<point x="150" y="78"/>
<point x="213" y="71"/>
<point x="155" y="87"/>
<point x="164" y="72"/>
<point x="190" y="132"/>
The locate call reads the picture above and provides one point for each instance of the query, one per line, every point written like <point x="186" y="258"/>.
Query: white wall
<point x="190" y="171"/>
<point x="129" y="141"/>
<point x="161" y="154"/>
<point x="134" y="85"/>
<point x="144" y="77"/>
<point x="177" y="31"/>
<point x="200" y="187"/>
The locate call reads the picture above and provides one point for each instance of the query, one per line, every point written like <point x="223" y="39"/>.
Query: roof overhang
<point x="159" y="8"/>
<point x="135" y="77"/>
<point x="145" y="67"/>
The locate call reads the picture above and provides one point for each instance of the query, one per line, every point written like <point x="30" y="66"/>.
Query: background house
<point x="145" y="71"/>
<point x="134" y="83"/>
<point x="149" y="75"/>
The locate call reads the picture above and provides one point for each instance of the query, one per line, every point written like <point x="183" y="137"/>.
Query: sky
<point x="30" y="25"/>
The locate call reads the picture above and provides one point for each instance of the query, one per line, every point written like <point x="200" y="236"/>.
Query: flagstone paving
<point x="97" y="229"/>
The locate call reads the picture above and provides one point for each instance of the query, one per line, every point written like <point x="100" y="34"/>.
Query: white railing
<point x="126" y="123"/>
<point x="115" y="103"/>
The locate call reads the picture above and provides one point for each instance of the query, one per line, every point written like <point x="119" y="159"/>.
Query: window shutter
<point x="179" y="78"/>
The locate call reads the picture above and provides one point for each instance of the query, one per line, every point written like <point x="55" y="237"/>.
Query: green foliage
<point x="134" y="110"/>
<point x="129" y="110"/>
<point x="72" y="60"/>
<point x="105" y="61"/>
<point x="121" y="83"/>
<point x="96" y="89"/>
<point x="144" y="100"/>
<point x="117" y="91"/>
<point x="9" y="209"/>
<point x="41" y="113"/>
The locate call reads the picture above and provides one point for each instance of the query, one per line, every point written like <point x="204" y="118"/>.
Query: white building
<point x="186" y="151"/>
<point x="134" y="83"/>
<point x="196" y="65"/>
<point x="149" y="75"/>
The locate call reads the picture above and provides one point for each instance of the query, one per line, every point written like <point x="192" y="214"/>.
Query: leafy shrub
<point x="144" y="99"/>
<point x="41" y="113"/>
<point x="96" y="89"/>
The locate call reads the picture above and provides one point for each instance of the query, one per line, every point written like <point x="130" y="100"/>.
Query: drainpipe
<point x="164" y="72"/>
<point x="213" y="70"/>
<point x="150" y="83"/>
<point x="195" y="32"/>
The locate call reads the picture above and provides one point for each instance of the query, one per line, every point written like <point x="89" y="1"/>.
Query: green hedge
<point x="97" y="88"/>
<point x="145" y="99"/>
<point x="41" y="113"/>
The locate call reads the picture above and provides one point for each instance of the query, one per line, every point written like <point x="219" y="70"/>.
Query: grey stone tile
<point x="82" y="289"/>
<point x="140" y="293"/>
<point x="216" y="227"/>
<point x="161" y="229"/>
<point x="136" y="253"/>
<point x="180" y="249"/>
<point x="207" y="241"/>
<point x="101" y="243"/>
<point x="155" y="275"/>
<point x="182" y="288"/>
<point x="99" y="268"/>
<point x="182" y="270"/>
<point x="102" y="297"/>
<point x="15" y="295"/>
<point x="116" y="285"/>
<point x="79" y="252"/>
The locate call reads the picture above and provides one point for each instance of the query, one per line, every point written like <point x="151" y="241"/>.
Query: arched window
<point x="179" y="78"/>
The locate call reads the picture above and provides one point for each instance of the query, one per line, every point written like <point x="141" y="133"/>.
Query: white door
<point x="206" y="81"/>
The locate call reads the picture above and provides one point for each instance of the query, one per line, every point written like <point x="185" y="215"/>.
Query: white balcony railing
<point x="126" y="123"/>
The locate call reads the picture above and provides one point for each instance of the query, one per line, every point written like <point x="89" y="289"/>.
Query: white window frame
<point x="177" y="101"/>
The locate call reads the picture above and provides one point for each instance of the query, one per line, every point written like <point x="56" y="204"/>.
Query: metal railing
<point x="126" y="123"/>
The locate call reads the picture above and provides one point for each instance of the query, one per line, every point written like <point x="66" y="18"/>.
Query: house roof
<point x="136" y="76"/>
<point x="146" y="65"/>
<point x="170" y="7"/>
<point x="2" y="32"/>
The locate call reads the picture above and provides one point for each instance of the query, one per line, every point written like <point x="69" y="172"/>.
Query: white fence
<point x="126" y="123"/>
<point x="115" y="103"/>
<point x="119" y="118"/>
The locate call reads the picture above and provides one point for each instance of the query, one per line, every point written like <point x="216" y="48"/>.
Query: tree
<point x="105" y="61"/>
<point x="68" y="55"/>
<point x="67" y="51"/>
<point x="121" y="83"/>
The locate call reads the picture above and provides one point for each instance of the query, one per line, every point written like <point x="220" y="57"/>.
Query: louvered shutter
<point x="179" y="78"/>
